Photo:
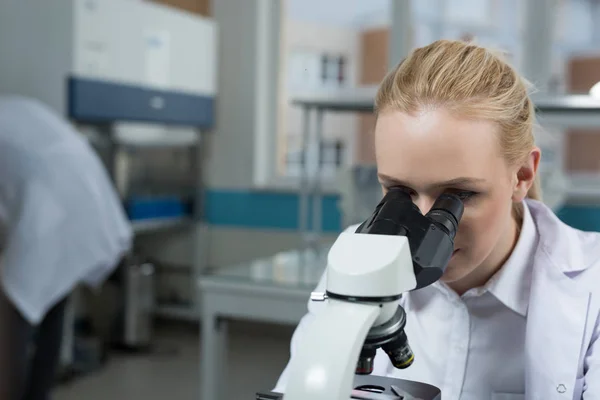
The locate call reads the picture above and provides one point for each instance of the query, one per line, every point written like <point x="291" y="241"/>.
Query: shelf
<point x="583" y="188"/>
<point x="362" y="98"/>
<point x="584" y="194"/>
<point x="160" y="224"/>
<point x="149" y="135"/>
<point x="565" y="111"/>
<point x="349" y="99"/>
<point x="569" y="111"/>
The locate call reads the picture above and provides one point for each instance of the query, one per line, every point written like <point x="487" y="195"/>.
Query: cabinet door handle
<point x="157" y="102"/>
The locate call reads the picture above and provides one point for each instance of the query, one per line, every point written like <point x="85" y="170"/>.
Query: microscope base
<point x="371" y="387"/>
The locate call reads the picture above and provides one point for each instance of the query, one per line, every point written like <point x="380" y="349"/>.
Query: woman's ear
<point x="525" y="175"/>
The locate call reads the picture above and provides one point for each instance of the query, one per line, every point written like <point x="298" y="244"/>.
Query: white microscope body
<point x="363" y="266"/>
<point x="366" y="275"/>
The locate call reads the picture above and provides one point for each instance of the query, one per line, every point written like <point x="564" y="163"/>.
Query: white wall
<point x="338" y="13"/>
<point x="247" y="92"/>
<point x="229" y="148"/>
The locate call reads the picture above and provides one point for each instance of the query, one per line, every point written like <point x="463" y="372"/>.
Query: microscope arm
<point x="324" y="370"/>
<point x="367" y="272"/>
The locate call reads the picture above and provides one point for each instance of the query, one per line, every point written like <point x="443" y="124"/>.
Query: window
<point x="323" y="50"/>
<point x="576" y="68"/>
<point x="333" y="70"/>
<point x="332" y="155"/>
<point x="303" y="70"/>
<point x="311" y="70"/>
<point x="317" y="58"/>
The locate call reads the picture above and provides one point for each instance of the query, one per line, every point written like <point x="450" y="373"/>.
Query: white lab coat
<point x="563" y="322"/>
<point x="61" y="221"/>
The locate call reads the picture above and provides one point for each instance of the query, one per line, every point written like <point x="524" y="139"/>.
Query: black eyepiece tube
<point x="389" y="217"/>
<point x="446" y="212"/>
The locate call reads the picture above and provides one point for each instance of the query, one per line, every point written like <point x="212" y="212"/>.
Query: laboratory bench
<point x="275" y="289"/>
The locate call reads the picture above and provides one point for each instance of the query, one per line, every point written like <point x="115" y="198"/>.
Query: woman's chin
<point x="455" y="269"/>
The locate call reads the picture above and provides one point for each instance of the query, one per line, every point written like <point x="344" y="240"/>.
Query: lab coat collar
<point x="511" y="284"/>
<point x="568" y="250"/>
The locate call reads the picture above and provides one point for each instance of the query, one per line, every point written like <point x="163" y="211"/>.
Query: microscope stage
<point x="371" y="387"/>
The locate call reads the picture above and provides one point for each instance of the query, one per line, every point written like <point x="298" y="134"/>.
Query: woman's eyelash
<point x="465" y="194"/>
<point x="462" y="194"/>
<point x="404" y="189"/>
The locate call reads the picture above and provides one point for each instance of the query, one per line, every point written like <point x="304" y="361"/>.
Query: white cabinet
<point x="146" y="44"/>
<point x="45" y="45"/>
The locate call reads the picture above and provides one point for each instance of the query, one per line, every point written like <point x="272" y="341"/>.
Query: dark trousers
<point x="31" y="353"/>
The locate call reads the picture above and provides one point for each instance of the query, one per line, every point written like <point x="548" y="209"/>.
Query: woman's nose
<point x="424" y="203"/>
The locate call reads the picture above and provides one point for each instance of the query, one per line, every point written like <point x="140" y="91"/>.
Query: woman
<point x="516" y="313"/>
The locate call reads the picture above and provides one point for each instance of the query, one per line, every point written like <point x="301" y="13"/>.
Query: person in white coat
<point x="61" y="223"/>
<point x="516" y="314"/>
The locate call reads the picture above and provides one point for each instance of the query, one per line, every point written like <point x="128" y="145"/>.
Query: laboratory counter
<point x="271" y="290"/>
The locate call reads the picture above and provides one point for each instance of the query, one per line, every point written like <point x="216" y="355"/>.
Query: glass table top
<point x="301" y="268"/>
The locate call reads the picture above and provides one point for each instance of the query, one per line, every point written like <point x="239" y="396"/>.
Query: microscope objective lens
<point x="399" y="352"/>
<point x="366" y="361"/>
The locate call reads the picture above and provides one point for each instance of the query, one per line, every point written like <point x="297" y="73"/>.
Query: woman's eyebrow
<point x="452" y="182"/>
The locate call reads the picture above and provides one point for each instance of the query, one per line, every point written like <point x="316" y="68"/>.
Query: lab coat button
<point x="561" y="388"/>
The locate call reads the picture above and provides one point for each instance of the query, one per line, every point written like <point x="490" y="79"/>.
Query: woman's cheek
<point x="466" y="227"/>
<point x="474" y="226"/>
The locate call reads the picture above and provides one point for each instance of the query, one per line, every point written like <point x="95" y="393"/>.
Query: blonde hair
<point x="471" y="82"/>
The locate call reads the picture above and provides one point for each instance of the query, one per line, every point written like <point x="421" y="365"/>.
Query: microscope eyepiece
<point x="431" y="241"/>
<point x="446" y="212"/>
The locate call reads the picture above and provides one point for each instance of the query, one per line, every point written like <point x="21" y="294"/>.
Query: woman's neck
<point x="482" y="274"/>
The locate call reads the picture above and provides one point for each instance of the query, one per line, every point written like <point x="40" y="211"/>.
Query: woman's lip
<point x="454" y="252"/>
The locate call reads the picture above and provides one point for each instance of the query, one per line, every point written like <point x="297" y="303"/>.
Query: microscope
<point x="396" y="250"/>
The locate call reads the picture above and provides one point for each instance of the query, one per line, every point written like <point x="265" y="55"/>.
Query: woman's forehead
<point x="436" y="124"/>
<point x="436" y="145"/>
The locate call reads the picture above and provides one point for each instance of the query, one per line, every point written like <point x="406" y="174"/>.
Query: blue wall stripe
<point x="265" y="210"/>
<point x="586" y="218"/>
<point x="275" y="210"/>
<point x="98" y="101"/>
<point x="145" y="207"/>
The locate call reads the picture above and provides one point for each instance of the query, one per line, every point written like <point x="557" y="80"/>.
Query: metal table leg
<point x="316" y="193"/>
<point x="222" y="364"/>
<point x="310" y="187"/>
<point x="213" y="357"/>
<point x="304" y="177"/>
